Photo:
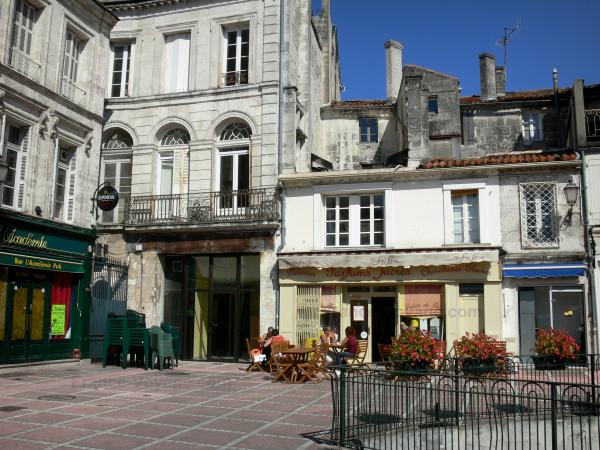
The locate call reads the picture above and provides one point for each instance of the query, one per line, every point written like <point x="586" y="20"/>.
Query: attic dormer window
<point x="368" y="129"/>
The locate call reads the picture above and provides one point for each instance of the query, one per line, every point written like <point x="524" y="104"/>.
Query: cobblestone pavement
<point x="199" y="405"/>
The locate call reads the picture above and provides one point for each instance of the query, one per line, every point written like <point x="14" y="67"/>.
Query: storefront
<point x="447" y="293"/>
<point x="45" y="274"/>
<point x="548" y="296"/>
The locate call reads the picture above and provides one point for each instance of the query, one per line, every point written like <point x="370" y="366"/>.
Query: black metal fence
<point x="203" y="207"/>
<point x="109" y="295"/>
<point x="380" y="408"/>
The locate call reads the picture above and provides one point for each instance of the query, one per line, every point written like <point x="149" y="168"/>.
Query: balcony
<point x="25" y="65"/>
<point x="235" y="78"/>
<point x="73" y="92"/>
<point x="202" y="208"/>
<point x="592" y="124"/>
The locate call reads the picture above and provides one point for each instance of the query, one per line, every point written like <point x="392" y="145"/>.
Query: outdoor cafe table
<point x="298" y="355"/>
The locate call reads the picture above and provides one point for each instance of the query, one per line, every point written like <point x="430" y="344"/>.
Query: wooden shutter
<point x="177" y="62"/>
<point x="22" y="168"/>
<point x="180" y="170"/>
<point x="71" y="186"/>
<point x="23" y="27"/>
<point x="171" y="62"/>
<point x="183" y="64"/>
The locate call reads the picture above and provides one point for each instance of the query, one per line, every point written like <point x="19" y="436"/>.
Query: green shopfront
<point x="45" y="274"/>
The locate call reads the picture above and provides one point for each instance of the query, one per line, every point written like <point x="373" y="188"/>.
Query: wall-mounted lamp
<point x="571" y="191"/>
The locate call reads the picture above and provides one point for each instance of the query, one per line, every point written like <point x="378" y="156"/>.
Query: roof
<point x="536" y="94"/>
<point x="408" y="67"/>
<point x="504" y="158"/>
<point x="348" y="105"/>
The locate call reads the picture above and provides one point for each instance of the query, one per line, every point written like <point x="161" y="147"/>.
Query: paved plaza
<point x="199" y="405"/>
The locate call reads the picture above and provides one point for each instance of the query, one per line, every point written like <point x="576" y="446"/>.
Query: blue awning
<point x="543" y="270"/>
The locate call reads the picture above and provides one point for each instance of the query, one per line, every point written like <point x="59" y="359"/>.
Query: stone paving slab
<point x="199" y="405"/>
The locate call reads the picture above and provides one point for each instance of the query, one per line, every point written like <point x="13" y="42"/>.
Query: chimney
<point x="500" y="81"/>
<point x="487" y="76"/>
<point x="393" y="69"/>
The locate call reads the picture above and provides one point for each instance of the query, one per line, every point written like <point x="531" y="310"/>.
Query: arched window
<point x="235" y="131"/>
<point x="175" y="136"/>
<point x="234" y="166"/>
<point x="116" y="170"/>
<point x="117" y="140"/>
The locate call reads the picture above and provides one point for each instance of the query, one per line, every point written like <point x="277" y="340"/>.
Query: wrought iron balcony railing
<point x="235" y="78"/>
<point x="72" y="91"/>
<point x="25" y="65"/>
<point x="592" y="123"/>
<point x="251" y="205"/>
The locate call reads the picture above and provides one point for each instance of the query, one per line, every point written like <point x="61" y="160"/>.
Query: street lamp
<point x="571" y="191"/>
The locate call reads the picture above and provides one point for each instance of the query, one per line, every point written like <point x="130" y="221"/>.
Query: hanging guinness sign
<point x="107" y="198"/>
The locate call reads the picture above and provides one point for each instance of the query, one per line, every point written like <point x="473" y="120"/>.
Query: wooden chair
<point x="254" y="365"/>
<point x="280" y="364"/>
<point x="358" y="359"/>
<point x="311" y="368"/>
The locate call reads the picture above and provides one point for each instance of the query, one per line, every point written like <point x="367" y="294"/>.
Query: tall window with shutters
<point x="121" y="69"/>
<point x="177" y="62"/>
<point x="236" y="56"/>
<point x="234" y="166"/>
<point x="22" y="39"/>
<point x="65" y="184"/>
<point x="72" y="53"/>
<point x="15" y="148"/>
<point x="173" y="162"/>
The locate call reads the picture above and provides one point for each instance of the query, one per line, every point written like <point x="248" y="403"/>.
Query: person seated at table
<point x="334" y="335"/>
<point x="327" y="339"/>
<point x="349" y="345"/>
<point x="264" y="342"/>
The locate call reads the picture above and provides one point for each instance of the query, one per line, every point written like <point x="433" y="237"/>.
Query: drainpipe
<point x="280" y="151"/>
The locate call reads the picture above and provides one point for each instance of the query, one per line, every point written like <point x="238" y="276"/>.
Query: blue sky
<point x="449" y="35"/>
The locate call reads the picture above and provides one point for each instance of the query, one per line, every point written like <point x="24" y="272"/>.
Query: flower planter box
<point x="549" y="362"/>
<point x="411" y="367"/>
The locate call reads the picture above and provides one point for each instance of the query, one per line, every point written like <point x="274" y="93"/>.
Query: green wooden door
<point x="27" y="320"/>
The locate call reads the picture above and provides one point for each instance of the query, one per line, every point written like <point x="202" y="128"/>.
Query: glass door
<point x="28" y="315"/>
<point x="222" y="325"/>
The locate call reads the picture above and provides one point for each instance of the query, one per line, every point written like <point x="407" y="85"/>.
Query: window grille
<point x="308" y="308"/>
<point x="175" y="136"/>
<point x="236" y="131"/>
<point x="539" y="221"/>
<point x="118" y="141"/>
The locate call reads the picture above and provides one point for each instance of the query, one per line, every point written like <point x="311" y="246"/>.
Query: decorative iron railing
<point x="592" y="123"/>
<point x="72" y="91"/>
<point x="250" y="205"/>
<point x="235" y="78"/>
<point x="25" y="65"/>
<point x="383" y="408"/>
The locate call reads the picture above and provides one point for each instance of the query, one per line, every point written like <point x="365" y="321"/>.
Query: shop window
<point x="16" y="146"/>
<point x="558" y="307"/>
<point x="539" y="216"/>
<point x="470" y="289"/>
<point x="64" y="288"/>
<point x="308" y="312"/>
<point x="355" y="221"/>
<point x="422" y="299"/>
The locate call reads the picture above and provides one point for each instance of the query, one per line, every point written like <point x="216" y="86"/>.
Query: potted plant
<point x="554" y="349"/>
<point x="415" y="351"/>
<point x="480" y="354"/>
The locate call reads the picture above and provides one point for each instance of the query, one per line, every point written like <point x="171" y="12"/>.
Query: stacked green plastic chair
<point x="162" y="346"/>
<point x="139" y="339"/>
<point x="135" y="319"/>
<point x="115" y="335"/>
<point x="174" y="332"/>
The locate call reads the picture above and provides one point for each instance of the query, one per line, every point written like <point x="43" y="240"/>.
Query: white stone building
<point x="209" y="103"/>
<point x="51" y="109"/>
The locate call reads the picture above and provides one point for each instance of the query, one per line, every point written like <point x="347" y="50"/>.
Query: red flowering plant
<point x="480" y="354"/>
<point x="416" y="349"/>
<point x="556" y="343"/>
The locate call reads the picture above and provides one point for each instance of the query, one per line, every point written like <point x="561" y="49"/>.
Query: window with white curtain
<point x="177" y="61"/>
<point x="532" y="127"/>
<point x="465" y="214"/>
<point x="121" y="64"/>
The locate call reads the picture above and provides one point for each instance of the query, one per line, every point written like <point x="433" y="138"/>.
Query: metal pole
<point x="553" y="416"/>
<point x="342" y="405"/>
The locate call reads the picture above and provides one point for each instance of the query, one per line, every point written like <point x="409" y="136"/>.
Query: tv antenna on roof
<point x="508" y="31"/>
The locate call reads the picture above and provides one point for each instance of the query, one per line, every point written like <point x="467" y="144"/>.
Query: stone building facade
<point x="51" y="109"/>
<point x="209" y="103"/>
